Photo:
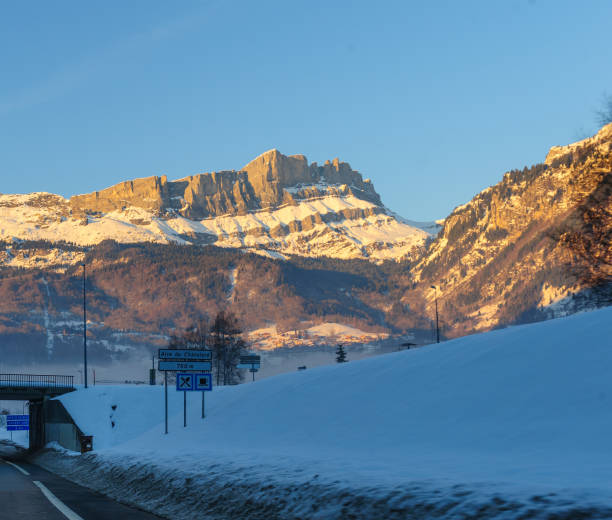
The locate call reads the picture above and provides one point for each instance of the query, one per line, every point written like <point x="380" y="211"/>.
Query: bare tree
<point x="604" y="115"/>
<point x="194" y="337"/>
<point x="227" y="346"/>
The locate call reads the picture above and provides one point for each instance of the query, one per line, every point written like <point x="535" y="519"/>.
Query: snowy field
<point x="515" y="423"/>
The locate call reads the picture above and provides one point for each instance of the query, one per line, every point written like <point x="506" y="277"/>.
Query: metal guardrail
<point x="36" y="381"/>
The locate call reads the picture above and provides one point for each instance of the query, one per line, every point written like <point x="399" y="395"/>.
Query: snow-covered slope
<point x="507" y="415"/>
<point x="276" y="203"/>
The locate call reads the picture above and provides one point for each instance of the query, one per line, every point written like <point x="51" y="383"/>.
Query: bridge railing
<point x="36" y="381"/>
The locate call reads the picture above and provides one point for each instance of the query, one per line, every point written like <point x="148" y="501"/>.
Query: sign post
<point x="252" y="362"/>
<point x="184" y="383"/>
<point x="203" y="383"/>
<point x="175" y="360"/>
<point x="166" y="398"/>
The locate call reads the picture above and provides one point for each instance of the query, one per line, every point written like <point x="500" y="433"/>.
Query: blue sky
<point x="433" y="101"/>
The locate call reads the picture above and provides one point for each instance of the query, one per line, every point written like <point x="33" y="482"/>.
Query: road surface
<point x="30" y="492"/>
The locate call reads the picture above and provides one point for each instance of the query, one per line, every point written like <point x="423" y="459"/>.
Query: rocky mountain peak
<point x="262" y="183"/>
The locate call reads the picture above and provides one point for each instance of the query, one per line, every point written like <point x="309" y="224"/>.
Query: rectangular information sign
<point x="17" y="417"/>
<point x="200" y="366"/>
<point x="247" y="360"/>
<point x="17" y="423"/>
<point x="178" y="354"/>
<point x="203" y="382"/>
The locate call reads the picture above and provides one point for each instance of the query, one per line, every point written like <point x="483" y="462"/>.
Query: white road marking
<point x="17" y="467"/>
<point x="63" y="508"/>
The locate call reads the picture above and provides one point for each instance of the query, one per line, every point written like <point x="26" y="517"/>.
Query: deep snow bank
<point x="524" y="412"/>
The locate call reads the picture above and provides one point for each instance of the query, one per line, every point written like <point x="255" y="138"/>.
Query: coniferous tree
<point x="340" y="354"/>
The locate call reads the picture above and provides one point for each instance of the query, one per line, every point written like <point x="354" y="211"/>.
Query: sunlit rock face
<point x="268" y="181"/>
<point x="497" y="260"/>
<point x="275" y="203"/>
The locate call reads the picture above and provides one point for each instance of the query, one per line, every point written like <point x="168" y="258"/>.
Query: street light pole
<point x="84" y="329"/>
<point x="437" y="325"/>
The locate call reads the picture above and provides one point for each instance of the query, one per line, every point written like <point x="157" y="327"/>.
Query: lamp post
<point x="437" y="325"/>
<point x="84" y="329"/>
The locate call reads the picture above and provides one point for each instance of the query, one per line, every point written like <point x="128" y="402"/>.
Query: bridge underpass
<point x="48" y="419"/>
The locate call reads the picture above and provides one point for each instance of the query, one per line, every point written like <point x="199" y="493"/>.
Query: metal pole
<point x="84" y="328"/>
<point x="184" y="409"/>
<point x="203" y="405"/>
<point x="166" y="397"/>
<point x="437" y="325"/>
<point x="253" y="372"/>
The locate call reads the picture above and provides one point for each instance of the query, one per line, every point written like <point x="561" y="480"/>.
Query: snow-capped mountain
<point x="533" y="246"/>
<point x="275" y="205"/>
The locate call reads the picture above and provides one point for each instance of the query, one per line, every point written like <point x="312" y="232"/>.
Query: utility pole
<point x="84" y="328"/>
<point x="437" y="325"/>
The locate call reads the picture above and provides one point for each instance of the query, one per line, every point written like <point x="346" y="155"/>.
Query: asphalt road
<point x="33" y="496"/>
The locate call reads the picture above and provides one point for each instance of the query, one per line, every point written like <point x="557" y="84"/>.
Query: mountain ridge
<point x="321" y="258"/>
<point x="276" y="203"/>
<point x="260" y="184"/>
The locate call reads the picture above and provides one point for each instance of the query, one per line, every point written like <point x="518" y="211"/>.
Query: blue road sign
<point x="203" y="382"/>
<point x="17" y="423"/>
<point x="184" y="382"/>
<point x="249" y="365"/>
<point x="200" y="366"/>
<point x="184" y="354"/>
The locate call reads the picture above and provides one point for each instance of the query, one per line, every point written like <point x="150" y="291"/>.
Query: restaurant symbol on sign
<point x="184" y="382"/>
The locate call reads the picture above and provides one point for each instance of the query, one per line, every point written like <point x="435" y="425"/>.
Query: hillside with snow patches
<point x="514" y="423"/>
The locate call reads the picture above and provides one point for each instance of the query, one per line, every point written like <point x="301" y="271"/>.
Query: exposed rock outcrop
<point x="497" y="260"/>
<point x="262" y="183"/>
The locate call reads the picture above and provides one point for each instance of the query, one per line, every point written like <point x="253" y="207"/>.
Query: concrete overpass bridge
<point x="29" y="387"/>
<point x="48" y="419"/>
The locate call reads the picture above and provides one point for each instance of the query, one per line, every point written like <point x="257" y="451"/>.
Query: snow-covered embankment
<point x="502" y="424"/>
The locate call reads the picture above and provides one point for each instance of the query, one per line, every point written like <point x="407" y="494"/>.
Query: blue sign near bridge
<point x="17" y="422"/>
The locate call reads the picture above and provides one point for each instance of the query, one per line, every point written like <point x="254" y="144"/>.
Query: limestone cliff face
<point x="149" y="193"/>
<point x="496" y="260"/>
<point x="262" y="183"/>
